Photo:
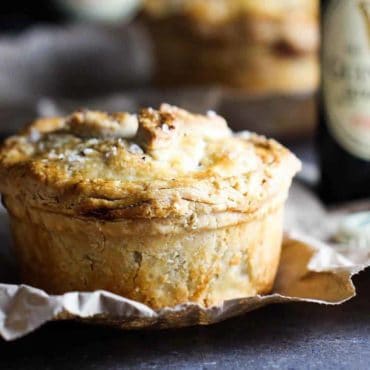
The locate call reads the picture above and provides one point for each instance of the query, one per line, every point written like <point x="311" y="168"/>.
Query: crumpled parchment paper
<point x="311" y="270"/>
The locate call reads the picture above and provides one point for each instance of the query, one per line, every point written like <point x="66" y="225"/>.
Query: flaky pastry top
<point x="157" y="164"/>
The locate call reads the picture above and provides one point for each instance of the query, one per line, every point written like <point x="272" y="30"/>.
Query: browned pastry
<point x="165" y="207"/>
<point x="257" y="46"/>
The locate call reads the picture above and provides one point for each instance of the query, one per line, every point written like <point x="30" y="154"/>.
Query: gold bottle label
<point x="346" y="74"/>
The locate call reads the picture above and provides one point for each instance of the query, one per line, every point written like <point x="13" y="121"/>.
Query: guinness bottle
<point x="344" y="130"/>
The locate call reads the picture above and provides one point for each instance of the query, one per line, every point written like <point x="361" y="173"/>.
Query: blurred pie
<point x="257" y="46"/>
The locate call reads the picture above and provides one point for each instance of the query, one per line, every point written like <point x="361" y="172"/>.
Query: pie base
<point x="59" y="254"/>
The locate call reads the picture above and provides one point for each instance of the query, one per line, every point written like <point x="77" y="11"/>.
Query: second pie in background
<point x="256" y="46"/>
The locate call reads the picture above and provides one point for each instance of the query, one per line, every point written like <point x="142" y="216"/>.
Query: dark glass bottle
<point x="344" y="129"/>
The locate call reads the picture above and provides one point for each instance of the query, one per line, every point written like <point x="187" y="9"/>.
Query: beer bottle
<point x="344" y="129"/>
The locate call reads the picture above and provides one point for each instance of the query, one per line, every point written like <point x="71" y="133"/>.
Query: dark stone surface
<point x="290" y="336"/>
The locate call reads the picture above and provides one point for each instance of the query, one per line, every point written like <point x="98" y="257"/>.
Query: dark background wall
<point x="16" y="15"/>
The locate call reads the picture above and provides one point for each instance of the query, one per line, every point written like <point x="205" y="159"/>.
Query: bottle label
<point x="346" y="74"/>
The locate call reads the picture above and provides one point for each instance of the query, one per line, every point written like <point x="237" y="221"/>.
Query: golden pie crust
<point x="164" y="207"/>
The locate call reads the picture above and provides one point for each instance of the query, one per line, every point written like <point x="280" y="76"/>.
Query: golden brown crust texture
<point x="163" y="163"/>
